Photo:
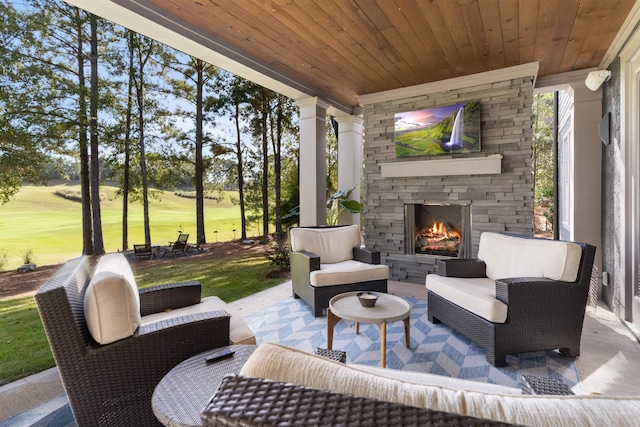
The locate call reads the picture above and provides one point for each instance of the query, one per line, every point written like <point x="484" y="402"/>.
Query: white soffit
<point x="487" y="77"/>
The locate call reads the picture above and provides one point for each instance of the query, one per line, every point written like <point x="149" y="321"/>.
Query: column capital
<point x="309" y="106"/>
<point x="349" y="119"/>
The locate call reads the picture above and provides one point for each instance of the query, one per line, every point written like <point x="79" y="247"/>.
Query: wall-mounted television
<point x="450" y="129"/>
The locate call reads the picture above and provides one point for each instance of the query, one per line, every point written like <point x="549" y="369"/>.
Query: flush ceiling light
<point x="595" y="79"/>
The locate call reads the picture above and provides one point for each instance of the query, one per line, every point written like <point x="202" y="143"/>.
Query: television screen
<point x="440" y="130"/>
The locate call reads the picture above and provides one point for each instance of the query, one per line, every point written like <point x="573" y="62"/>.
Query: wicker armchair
<point x="329" y="260"/>
<point x="112" y="384"/>
<point x="543" y="314"/>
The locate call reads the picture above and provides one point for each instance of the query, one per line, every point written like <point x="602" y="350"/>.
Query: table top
<point x="388" y="308"/>
<point x="181" y="395"/>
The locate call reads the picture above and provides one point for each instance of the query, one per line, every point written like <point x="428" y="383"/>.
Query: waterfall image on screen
<point x="438" y="130"/>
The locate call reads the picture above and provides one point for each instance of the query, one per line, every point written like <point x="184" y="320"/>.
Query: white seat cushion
<point x="344" y="272"/>
<point x="478" y="295"/>
<point x="333" y="244"/>
<point x="508" y="256"/>
<point x="275" y="362"/>
<point x="239" y="331"/>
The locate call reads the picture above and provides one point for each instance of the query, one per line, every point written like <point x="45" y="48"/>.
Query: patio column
<point x="313" y="161"/>
<point x="587" y="173"/>
<point x="350" y="147"/>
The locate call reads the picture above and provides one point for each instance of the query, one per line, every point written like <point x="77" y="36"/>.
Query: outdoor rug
<point x="434" y="348"/>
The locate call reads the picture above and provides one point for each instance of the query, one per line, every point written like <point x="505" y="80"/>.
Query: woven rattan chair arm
<point x="366" y="255"/>
<point x="540" y="303"/>
<point x="200" y="331"/>
<point x="525" y="290"/>
<point x="246" y="401"/>
<point x="461" y="267"/>
<point x="157" y="299"/>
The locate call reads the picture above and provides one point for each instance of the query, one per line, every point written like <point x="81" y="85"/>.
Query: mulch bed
<point x="13" y="283"/>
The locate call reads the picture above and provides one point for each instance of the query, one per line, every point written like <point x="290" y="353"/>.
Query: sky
<point x="424" y="118"/>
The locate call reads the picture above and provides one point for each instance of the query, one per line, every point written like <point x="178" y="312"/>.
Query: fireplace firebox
<point x="438" y="229"/>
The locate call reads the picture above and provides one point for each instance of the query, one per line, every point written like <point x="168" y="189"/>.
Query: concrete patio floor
<point x="610" y="355"/>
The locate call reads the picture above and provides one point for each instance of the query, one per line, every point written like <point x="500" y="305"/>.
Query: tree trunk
<point x="143" y="161"/>
<point x="87" y="238"/>
<point x="143" y="168"/>
<point x="127" y="150"/>
<point x="243" y="218"/>
<point x="276" y="140"/>
<point x="200" y="229"/>
<point x="265" y="168"/>
<point x="98" y="244"/>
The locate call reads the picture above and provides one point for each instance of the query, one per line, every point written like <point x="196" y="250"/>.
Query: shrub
<point x="278" y="254"/>
<point x="28" y="257"/>
<point x="75" y="195"/>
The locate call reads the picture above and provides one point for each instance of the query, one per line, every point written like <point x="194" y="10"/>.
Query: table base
<point x="332" y="320"/>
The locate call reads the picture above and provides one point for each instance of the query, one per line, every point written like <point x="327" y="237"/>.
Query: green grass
<point x="24" y="349"/>
<point x="50" y="227"/>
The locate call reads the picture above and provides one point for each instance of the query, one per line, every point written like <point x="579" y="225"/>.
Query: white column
<point x="587" y="174"/>
<point x="350" y="148"/>
<point x="313" y="161"/>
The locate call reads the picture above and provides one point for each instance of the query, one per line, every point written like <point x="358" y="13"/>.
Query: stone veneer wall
<point x="500" y="202"/>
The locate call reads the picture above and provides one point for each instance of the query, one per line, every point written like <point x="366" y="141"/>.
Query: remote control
<point x="221" y="354"/>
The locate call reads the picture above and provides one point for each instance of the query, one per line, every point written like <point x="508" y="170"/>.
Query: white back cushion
<point x="274" y="362"/>
<point x="117" y="263"/>
<point x="508" y="256"/>
<point x="330" y="244"/>
<point x="111" y="301"/>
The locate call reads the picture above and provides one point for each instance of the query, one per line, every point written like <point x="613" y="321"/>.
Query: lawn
<point x="49" y="227"/>
<point x="24" y="349"/>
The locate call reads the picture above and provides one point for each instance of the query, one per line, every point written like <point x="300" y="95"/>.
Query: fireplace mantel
<point x="443" y="167"/>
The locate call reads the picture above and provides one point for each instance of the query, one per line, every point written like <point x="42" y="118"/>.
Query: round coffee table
<point x="388" y="308"/>
<point x="180" y="396"/>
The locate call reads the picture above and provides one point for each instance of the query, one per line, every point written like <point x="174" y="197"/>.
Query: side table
<point x="388" y="308"/>
<point x="180" y="396"/>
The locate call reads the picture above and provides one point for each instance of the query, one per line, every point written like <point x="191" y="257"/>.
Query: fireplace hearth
<point x="437" y="229"/>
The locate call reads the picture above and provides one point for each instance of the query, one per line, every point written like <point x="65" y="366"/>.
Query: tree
<point x="194" y="78"/>
<point x="543" y="152"/>
<point x="280" y="122"/>
<point x="24" y="143"/>
<point x="260" y="103"/>
<point x="143" y="47"/>
<point x="232" y="96"/>
<point x="52" y="53"/>
<point x="98" y="244"/>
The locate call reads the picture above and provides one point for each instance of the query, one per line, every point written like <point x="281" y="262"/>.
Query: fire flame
<point x="439" y="231"/>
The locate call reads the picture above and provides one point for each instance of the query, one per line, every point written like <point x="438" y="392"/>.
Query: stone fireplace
<point x="438" y="229"/>
<point x="400" y="195"/>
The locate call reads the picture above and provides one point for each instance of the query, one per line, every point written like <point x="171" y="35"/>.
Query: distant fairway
<point x="51" y="227"/>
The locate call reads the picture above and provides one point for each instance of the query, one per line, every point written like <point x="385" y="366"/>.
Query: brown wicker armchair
<point x="112" y="384"/>
<point x="543" y="314"/>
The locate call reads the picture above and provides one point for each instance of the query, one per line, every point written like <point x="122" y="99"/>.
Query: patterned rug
<point x="434" y="348"/>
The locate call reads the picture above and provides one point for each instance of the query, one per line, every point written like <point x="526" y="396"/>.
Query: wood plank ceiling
<point x="346" y="48"/>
